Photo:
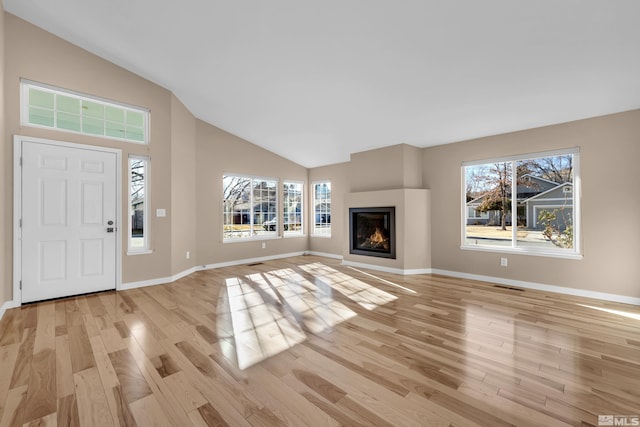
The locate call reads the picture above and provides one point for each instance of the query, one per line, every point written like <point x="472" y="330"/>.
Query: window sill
<point x="322" y="236"/>
<point x="524" y="251"/>
<point x="250" y="239"/>
<point x="140" y="252"/>
<point x="289" y="236"/>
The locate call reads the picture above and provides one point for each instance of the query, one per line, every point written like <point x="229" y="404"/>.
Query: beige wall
<point x="218" y="153"/>
<point x="34" y="54"/>
<point x="397" y="166"/>
<point x="339" y="175"/>
<point x="189" y="158"/>
<point x="394" y="167"/>
<point x="609" y="154"/>
<point x="183" y="187"/>
<point x="5" y="193"/>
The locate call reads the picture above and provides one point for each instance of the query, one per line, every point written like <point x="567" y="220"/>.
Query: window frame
<point x="301" y="232"/>
<point x="25" y="85"/>
<point x="251" y="236"/>
<point x="146" y="247"/>
<point x="576" y="253"/>
<point x="314" y="230"/>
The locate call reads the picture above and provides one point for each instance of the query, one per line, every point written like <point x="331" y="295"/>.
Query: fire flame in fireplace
<point x="377" y="241"/>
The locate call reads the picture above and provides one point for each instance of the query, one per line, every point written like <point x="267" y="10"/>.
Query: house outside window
<point x="293" y="211"/>
<point x="543" y="217"/>
<point x="249" y="207"/>
<point x="138" y="205"/>
<point x="322" y="208"/>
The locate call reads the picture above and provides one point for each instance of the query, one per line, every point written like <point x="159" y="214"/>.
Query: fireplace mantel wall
<point x="413" y="228"/>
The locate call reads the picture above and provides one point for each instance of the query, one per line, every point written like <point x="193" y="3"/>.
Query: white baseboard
<point x="8" y="305"/>
<point x="170" y="279"/>
<point x="490" y="279"/>
<point x="388" y="269"/>
<point x="160" y="281"/>
<point x="542" y="287"/>
<point x="249" y="260"/>
<point x="323" y="254"/>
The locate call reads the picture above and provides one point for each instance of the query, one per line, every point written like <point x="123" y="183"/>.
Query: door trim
<point x="17" y="205"/>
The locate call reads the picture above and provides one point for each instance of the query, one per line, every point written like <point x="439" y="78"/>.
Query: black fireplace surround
<point x="372" y="232"/>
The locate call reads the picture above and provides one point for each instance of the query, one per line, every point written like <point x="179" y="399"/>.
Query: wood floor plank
<point x="133" y="384"/>
<point x="121" y="408"/>
<point x="45" y="327"/>
<point x="171" y="408"/>
<point x="148" y="412"/>
<point x="93" y="408"/>
<point x="42" y="393"/>
<point x="222" y="391"/>
<point x="185" y="393"/>
<point x="8" y="354"/>
<point x="104" y="364"/>
<point x="211" y="417"/>
<point x="165" y="365"/>
<point x="64" y="371"/>
<point x="22" y="366"/>
<point x="67" y="413"/>
<point x="307" y="341"/>
<point x="13" y="408"/>
<point x="50" y="420"/>
<point x="80" y="346"/>
<point x="12" y="326"/>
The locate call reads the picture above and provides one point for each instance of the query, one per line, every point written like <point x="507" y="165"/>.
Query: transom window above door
<point x="68" y="111"/>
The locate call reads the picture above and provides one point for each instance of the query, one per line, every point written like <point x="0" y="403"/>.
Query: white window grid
<point x="293" y="208"/>
<point x="249" y="211"/>
<point x="86" y="120"/>
<point x="322" y="208"/>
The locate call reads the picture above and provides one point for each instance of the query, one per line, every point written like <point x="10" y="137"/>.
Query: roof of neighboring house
<point x="542" y="195"/>
<point x="521" y="193"/>
<point x="539" y="179"/>
<point x="476" y="200"/>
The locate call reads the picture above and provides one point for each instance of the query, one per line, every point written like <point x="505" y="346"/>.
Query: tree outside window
<point x="249" y="207"/>
<point x="293" y="208"/>
<point x="138" y="203"/>
<point x="322" y="208"/>
<point x="525" y="203"/>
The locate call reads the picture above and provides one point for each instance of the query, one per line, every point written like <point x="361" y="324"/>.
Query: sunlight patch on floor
<point x="273" y="311"/>
<point x="635" y="316"/>
<point x="365" y="295"/>
<point x="385" y="281"/>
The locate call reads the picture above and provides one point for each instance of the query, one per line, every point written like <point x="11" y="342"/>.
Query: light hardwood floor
<point x="306" y="341"/>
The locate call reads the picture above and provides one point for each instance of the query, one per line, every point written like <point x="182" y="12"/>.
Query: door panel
<point x="68" y="196"/>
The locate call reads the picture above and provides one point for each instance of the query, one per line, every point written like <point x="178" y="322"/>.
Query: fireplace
<point x="372" y="232"/>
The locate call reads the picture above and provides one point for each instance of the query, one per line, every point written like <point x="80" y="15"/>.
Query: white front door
<point x="68" y="220"/>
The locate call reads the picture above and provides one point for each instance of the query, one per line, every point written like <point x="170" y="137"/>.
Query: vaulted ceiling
<point x="316" y="81"/>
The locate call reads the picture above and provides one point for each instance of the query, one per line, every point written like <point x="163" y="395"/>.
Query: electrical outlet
<point x="188" y="254"/>
<point x="503" y="262"/>
<point x="264" y="245"/>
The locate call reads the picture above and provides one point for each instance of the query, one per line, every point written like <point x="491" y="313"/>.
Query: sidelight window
<point x="138" y="204"/>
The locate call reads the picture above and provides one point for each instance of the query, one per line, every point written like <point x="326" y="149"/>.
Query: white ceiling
<point x="316" y="81"/>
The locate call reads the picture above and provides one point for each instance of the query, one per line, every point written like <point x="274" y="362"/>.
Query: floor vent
<point x="508" y="287"/>
<point x="254" y="263"/>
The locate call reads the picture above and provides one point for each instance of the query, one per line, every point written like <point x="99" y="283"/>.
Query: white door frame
<point x="17" y="206"/>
